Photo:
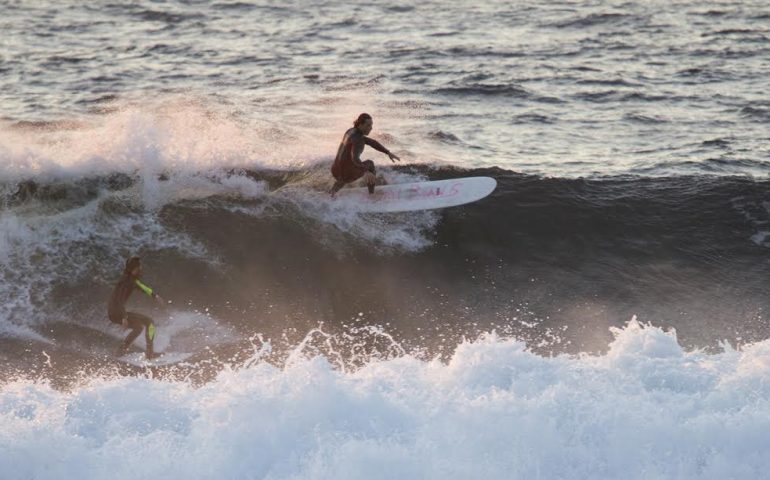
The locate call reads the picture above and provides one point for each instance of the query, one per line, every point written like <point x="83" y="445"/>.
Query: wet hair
<point x="131" y="264"/>
<point x="361" y="119"/>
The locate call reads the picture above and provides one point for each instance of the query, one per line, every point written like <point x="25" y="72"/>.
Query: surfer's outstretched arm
<point x="376" y="145"/>
<point x="380" y="148"/>
<point x="141" y="286"/>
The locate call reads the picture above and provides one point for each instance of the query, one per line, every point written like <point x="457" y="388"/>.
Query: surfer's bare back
<point x="348" y="166"/>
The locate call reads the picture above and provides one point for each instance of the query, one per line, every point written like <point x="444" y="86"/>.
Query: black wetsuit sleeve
<point x="376" y="145"/>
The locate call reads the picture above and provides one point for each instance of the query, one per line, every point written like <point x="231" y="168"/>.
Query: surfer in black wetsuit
<point x="348" y="166"/>
<point x="116" y="308"/>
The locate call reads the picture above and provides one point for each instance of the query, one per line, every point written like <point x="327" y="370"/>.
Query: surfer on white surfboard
<point x="348" y="166"/>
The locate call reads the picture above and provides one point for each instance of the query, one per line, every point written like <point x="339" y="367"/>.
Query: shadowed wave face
<point x="553" y="261"/>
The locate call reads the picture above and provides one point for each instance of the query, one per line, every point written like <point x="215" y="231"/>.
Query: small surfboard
<point x="138" y="359"/>
<point x="406" y="197"/>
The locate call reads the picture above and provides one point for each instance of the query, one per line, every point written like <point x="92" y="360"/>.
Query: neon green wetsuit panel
<point x="148" y="291"/>
<point x="144" y="288"/>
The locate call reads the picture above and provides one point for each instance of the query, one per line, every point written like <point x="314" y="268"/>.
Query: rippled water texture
<point x="556" y="88"/>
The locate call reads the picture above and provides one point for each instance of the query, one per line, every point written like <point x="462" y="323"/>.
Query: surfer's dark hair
<point x="131" y="264"/>
<point x="361" y="119"/>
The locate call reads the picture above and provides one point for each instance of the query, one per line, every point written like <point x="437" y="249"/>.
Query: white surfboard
<point x="406" y="197"/>
<point x="138" y="359"/>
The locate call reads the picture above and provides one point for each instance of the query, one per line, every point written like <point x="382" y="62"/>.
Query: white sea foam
<point x="403" y="232"/>
<point x="147" y="140"/>
<point x="410" y="232"/>
<point x="185" y="331"/>
<point x="645" y="409"/>
<point x="181" y="134"/>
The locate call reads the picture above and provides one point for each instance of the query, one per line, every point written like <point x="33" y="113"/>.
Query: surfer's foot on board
<point x="370" y="180"/>
<point x="152" y="355"/>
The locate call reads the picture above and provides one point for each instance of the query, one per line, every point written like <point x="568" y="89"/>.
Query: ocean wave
<point x="577" y="251"/>
<point x="485" y="89"/>
<point x="595" y="19"/>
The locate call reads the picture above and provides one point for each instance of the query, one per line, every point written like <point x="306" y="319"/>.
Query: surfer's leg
<point x="135" y="331"/>
<point x="336" y="188"/>
<point x="369" y="175"/>
<point x="139" y="321"/>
